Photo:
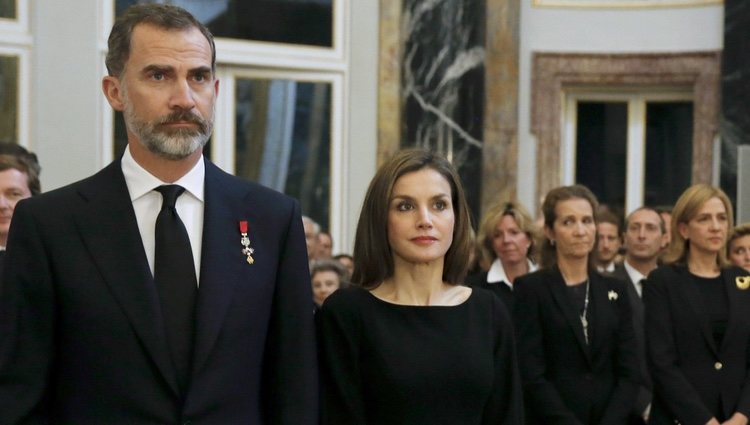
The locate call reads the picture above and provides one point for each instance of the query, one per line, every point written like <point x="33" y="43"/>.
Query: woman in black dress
<point x="698" y="319"/>
<point x="507" y="243"/>
<point x="576" y="345"/>
<point x="408" y="344"/>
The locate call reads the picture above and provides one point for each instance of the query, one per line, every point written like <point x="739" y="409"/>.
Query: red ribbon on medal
<point x="245" y="241"/>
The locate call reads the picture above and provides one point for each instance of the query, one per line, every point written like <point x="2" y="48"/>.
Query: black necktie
<point x="640" y="287"/>
<point x="174" y="274"/>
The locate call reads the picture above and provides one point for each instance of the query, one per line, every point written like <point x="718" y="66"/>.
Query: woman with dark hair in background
<point x="408" y="344"/>
<point x="507" y="243"/>
<point x="576" y="346"/>
<point x="697" y="326"/>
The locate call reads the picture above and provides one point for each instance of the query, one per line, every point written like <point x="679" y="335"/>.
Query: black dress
<point x="389" y="364"/>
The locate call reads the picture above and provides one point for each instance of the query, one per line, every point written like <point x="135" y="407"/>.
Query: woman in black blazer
<point x="698" y="319"/>
<point x="576" y="345"/>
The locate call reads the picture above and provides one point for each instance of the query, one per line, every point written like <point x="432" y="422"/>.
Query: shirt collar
<point x="141" y="182"/>
<point x="635" y="275"/>
<point x="496" y="273"/>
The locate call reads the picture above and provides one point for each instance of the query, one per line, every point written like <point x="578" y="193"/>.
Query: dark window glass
<point x="307" y="22"/>
<point x="601" y="150"/>
<point x="8" y="98"/>
<point x="282" y="136"/>
<point x="669" y="151"/>
<point x="8" y="9"/>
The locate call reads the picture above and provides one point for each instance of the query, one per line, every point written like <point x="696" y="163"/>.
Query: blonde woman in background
<point x="697" y="327"/>
<point x="507" y="243"/>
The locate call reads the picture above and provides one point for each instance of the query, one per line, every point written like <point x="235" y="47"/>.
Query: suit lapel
<point x="109" y="230"/>
<point x="560" y="295"/>
<point x="222" y="261"/>
<point x="693" y="295"/>
<point x="636" y="305"/>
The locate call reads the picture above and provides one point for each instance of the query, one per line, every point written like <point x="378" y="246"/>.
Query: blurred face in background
<point x="324" y="246"/>
<point x="608" y="242"/>
<point x="643" y="236"/>
<point x="324" y="283"/>
<point x="348" y="264"/>
<point x="510" y="243"/>
<point x="14" y="186"/>
<point x="739" y="252"/>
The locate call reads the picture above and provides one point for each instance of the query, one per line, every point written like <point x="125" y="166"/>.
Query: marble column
<point x="442" y="83"/>
<point x="449" y="82"/>
<point x="735" y="86"/>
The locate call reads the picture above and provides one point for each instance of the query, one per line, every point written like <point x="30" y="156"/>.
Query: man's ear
<point x="112" y="89"/>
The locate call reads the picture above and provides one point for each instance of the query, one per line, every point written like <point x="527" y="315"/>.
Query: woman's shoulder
<point x="735" y="271"/>
<point x="346" y="300"/>
<point x="541" y="277"/>
<point x="487" y="304"/>
<point x="608" y="280"/>
<point x="666" y="272"/>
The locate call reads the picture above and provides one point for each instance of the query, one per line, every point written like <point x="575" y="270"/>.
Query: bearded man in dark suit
<point x="161" y="289"/>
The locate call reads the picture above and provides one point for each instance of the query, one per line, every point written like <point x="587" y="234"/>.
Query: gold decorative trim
<point x="624" y="4"/>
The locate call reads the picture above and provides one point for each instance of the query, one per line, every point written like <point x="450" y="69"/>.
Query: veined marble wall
<point x="449" y="82"/>
<point x="735" y="120"/>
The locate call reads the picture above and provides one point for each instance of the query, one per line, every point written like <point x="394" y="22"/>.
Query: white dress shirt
<point x="635" y="277"/>
<point x="496" y="273"/>
<point x="147" y="204"/>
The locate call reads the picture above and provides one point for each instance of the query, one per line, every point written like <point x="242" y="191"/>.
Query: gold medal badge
<point x="743" y="282"/>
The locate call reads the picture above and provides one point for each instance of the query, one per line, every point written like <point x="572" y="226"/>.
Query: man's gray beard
<point x="174" y="144"/>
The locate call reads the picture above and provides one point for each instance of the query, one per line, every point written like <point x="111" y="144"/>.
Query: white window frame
<point x="222" y="154"/>
<point x="16" y="31"/>
<point x="636" y="100"/>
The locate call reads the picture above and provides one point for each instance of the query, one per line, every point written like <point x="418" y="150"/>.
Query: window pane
<point x="669" y="151"/>
<point x="8" y="9"/>
<point x="308" y="22"/>
<point x="8" y="99"/>
<point x="283" y="133"/>
<point x="601" y="150"/>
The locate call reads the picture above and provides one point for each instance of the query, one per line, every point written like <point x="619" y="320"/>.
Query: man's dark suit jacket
<point x="81" y="333"/>
<point x="636" y="309"/>
<point x="690" y="373"/>
<point x="565" y="380"/>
